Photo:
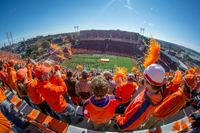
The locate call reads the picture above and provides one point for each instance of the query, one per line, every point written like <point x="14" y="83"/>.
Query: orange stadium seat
<point x="58" y="126"/>
<point x="16" y="101"/>
<point x="33" y="114"/>
<point x="42" y="128"/>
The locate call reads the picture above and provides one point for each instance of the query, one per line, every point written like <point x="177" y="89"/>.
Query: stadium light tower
<point x="142" y="31"/>
<point x="76" y="28"/>
<point x="11" y="37"/>
<point x="8" y="38"/>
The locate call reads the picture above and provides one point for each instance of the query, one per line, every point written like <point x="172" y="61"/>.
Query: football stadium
<point x="101" y="75"/>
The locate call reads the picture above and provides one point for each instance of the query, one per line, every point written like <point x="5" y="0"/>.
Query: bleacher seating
<point x="46" y="123"/>
<point x="109" y="46"/>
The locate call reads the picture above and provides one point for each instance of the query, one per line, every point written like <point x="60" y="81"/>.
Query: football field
<point x="90" y="61"/>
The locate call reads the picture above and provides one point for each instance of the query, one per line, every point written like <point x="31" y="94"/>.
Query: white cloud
<point x="128" y="5"/>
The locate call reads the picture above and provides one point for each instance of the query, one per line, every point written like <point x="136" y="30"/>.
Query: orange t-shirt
<point x="101" y="111"/>
<point x="170" y="89"/>
<point x="33" y="93"/>
<point x="138" y="110"/>
<point x="5" y="125"/>
<point x="2" y="95"/>
<point x="171" y="105"/>
<point x="12" y="78"/>
<point x="126" y="91"/>
<point x="59" y="82"/>
<point x="53" y="94"/>
<point x="3" y="76"/>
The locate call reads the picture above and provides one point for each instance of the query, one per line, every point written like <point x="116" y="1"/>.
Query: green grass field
<point x="90" y="61"/>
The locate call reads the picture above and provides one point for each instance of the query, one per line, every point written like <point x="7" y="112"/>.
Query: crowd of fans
<point x="109" y="46"/>
<point x="129" y="99"/>
<point x="123" y="35"/>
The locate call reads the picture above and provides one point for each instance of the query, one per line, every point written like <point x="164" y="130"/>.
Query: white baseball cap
<point x="155" y="74"/>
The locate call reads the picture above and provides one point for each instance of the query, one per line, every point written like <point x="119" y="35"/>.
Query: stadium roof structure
<point x="173" y="58"/>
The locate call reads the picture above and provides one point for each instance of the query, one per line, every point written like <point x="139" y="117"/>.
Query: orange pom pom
<point x="191" y="70"/>
<point x="184" y="125"/>
<point x="178" y="78"/>
<point x="134" y="69"/>
<point x="153" y="53"/>
<point x="176" y="126"/>
<point x="120" y="72"/>
<point x="190" y="120"/>
<point x="79" y="67"/>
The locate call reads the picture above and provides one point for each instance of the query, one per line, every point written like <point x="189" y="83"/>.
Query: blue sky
<point x="175" y="21"/>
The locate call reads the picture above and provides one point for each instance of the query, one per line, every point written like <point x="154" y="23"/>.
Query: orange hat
<point x="191" y="81"/>
<point x="57" y="67"/>
<point x="40" y="70"/>
<point x="21" y="73"/>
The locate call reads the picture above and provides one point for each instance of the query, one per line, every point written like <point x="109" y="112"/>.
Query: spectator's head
<point x="131" y="77"/>
<point x="1" y="68"/>
<point x="57" y="67"/>
<point x="21" y="74"/>
<point x="107" y="75"/>
<point x="11" y="63"/>
<point x="69" y="74"/>
<point x="42" y="72"/>
<point x="99" y="86"/>
<point x="190" y="81"/>
<point x="84" y="75"/>
<point x="154" y="76"/>
<point x="98" y="73"/>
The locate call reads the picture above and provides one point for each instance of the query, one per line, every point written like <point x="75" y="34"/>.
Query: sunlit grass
<point x="90" y="61"/>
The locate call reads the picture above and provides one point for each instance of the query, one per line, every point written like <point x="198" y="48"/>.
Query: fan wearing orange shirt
<point x="100" y="108"/>
<point x="11" y="75"/>
<point x="3" y="76"/>
<point x="27" y="85"/>
<point x="57" y="79"/>
<point x="180" y="97"/>
<point x="52" y="93"/>
<point x="125" y="91"/>
<point x="142" y="106"/>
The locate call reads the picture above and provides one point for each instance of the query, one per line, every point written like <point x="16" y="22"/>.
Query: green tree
<point x="45" y="44"/>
